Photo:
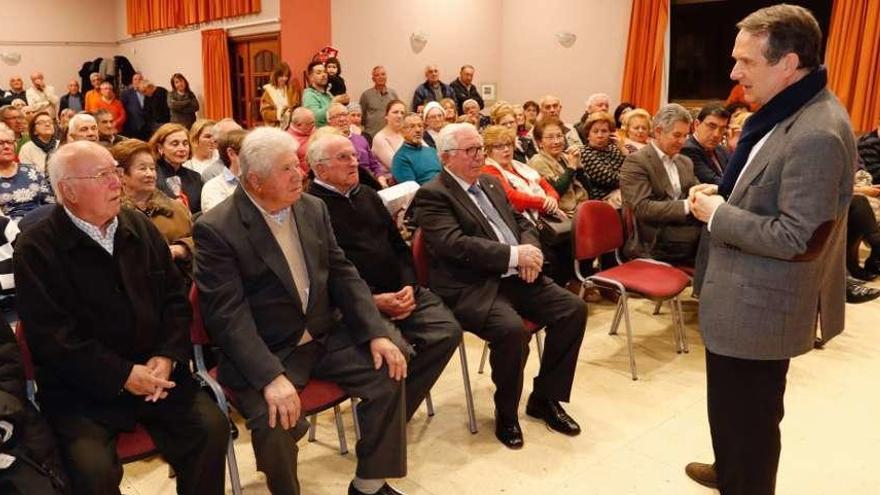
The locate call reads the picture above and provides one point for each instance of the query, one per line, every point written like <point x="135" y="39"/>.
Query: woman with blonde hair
<point x="203" y="146"/>
<point x="449" y="105"/>
<point x="280" y="95"/>
<point x="503" y="114"/>
<point x="636" y="129"/>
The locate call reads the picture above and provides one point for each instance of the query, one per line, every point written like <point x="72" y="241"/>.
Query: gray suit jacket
<point x="658" y="211"/>
<point x="776" y="255"/>
<point x="250" y="304"/>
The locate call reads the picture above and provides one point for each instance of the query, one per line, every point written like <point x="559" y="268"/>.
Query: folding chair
<point x="317" y="396"/>
<point x="597" y="230"/>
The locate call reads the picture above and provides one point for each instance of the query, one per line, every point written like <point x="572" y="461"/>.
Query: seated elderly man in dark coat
<point x="107" y="319"/>
<point x="366" y="232"/>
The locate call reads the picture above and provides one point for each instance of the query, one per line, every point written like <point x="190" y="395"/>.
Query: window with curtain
<point x="144" y="16"/>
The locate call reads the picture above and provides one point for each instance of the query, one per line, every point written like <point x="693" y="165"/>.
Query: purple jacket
<point x="366" y="159"/>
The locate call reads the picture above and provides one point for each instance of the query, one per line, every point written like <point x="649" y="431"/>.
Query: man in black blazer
<point x="486" y="265"/>
<point x="107" y="319"/>
<point x="704" y="146"/>
<point x="284" y="304"/>
<point x="156" y="110"/>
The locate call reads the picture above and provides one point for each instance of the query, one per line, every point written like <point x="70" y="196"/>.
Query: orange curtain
<point x="215" y="70"/>
<point x="152" y="15"/>
<point x="643" y="72"/>
<point x="853" y="59"/>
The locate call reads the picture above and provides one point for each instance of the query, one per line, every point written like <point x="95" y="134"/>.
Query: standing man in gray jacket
<point x="777" y="228"/>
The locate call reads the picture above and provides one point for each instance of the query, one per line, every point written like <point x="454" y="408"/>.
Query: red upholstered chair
<point x="597" y="230"/>
<point x="317" y="396"/>
<point x="130" y="446"/>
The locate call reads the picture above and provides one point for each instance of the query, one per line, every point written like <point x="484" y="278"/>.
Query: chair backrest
<point x="27" y="362"/>
<point x="596" y="230"/>
<point x="197" y="333"/>
<point x="421" y="257"/>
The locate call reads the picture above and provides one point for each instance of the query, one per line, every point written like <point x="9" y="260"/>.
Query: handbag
<point x="553" y="231"/>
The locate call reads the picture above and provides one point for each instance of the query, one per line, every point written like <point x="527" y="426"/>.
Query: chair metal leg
<point x="313" y="421"/>
<point x="484" y="357"/>
<point x="354" y="414"/>
<point x="676" y="326"/>
<point x="657" y="307"/>
<point x="629" y="338"/>
<point x="468" y="394"/>
<point x="340" y="430"/>
<point x="429" y="404"/>
<point x="615" y="323"/>
<point x="234" y="479"/>
<point x="684" y="340"/>
<point x="539" y="343"/>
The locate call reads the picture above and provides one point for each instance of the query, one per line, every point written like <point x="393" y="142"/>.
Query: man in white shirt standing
<point x="654" y="183"/>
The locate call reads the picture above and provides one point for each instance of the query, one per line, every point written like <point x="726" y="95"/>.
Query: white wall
<point x="56" y="38"/>
<point x="459" y="32"/>
<point x="512" y="43"/>
<point x="534" y="64"/>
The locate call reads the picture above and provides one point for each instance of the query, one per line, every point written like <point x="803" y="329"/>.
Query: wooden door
<point x="253" y="59"/>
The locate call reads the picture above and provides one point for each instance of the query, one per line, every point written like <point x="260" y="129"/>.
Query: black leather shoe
<point x="857" y="293"/>
<point x="553" y="414"/>
<point x="385" y="490"/>
<point x="703" y="474"/>
<point x="509" y="433"/>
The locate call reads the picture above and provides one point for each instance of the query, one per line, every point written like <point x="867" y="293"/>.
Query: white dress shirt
<point x="672" y="173"/>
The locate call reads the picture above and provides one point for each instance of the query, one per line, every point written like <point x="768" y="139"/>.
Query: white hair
<point x="299" y="113"/>
<point x="261" y="147"/>
<point x="597" y="97"/>
<point x="448" y="139"/>
<point x="223" y="126"/>
<point x="64" y="156"/>
<point x="316" y="150"/>
<point x="78" y="119"/>
<point x="5" y="129"/>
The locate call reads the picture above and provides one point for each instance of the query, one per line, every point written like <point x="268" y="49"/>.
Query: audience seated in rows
<point x="486" y="265"/>
<point x="451" y="110"/>
<point x="705" y="145"/>
<point x="22" y="187"/>
<point x="655" y="182"/>
<point x="203" y="146"/>
<point x="35" y="152"/>
<point x="434" y="117"/>
<point x="338" y="116"/>
<point x="14" y="119"/>
<point x="387" y="141"/>
<point x="601" y="159"/>
<point x="107" y="359"/>
<point x="139" y="192"/>
<point x="504" y="114"/>
<point x="171" y="148"/>
<point x="283" y="304"/>
<point x="223" y="185"/>
<point x="107" y="133"/>
<point x="414" y="161"/>
<point x="559" y="167"/>
<point x="636" y="129"/>
<point x="302" y="125"/>
<point x="82" y="127"/>
<point x="869" y="152"/>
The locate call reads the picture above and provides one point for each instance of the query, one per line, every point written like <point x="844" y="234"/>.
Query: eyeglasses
<point x="345" y="156"/>
<point x="105" y="176"/>
<point x="472" y="152"/>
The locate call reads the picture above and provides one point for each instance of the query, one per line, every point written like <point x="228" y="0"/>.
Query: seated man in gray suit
<point x="704" y="146"/>
<point x="284" y="304"/>
<point x="486" y="265"/>
<point x="654" y="183"/>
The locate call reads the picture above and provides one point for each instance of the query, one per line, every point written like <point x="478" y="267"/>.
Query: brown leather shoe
<point x="703" y="474"/>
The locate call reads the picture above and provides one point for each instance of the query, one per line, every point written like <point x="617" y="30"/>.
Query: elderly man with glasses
<point x="487" y="267"/>
<point x="107" y="320"/>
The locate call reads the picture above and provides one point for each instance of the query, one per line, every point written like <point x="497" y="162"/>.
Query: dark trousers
<point x="545" y="303"/>
<point x="434" y="334"/>
<point x="861" y="226"/>
<point x="381" y="451"/>
<point x="192" y="437"/>
<point x="745" y="400"/>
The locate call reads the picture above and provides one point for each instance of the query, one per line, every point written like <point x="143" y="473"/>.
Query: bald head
<point x="83" y="176"/>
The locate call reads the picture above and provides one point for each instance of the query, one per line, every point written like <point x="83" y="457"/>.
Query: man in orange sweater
<point x="109" y="101"/>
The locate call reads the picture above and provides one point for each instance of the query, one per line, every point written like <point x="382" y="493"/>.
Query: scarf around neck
<point x="779" y="108"/>
<point x="46" y="146"/>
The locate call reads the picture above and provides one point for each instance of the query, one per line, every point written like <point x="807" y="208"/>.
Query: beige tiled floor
<point x="638" y="435"/>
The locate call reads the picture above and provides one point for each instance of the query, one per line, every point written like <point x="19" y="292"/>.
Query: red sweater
<point x="522" y="201"/>
<point x="115" y="107"/>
